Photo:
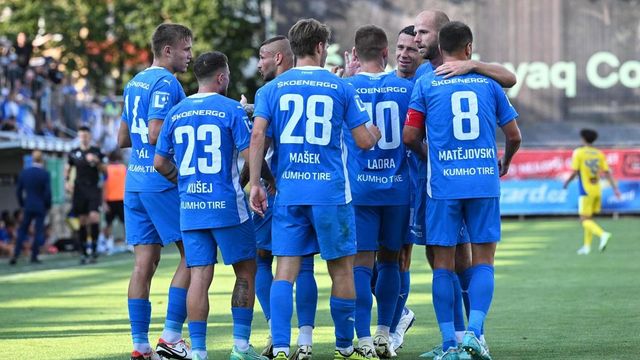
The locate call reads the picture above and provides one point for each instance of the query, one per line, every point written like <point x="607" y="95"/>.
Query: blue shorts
<point x="300" y="230"/>
<point x="463" y="234"/>
<point x="446" y="218"/>
<point x="418" y="196"/>
<point x="237" y="243"/>
<point x="152" y="217"/>
<point x="262" y="226"/>
<point x="381" y="226"/>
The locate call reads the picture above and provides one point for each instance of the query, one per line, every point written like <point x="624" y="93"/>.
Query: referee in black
<point x="88" y="162"/>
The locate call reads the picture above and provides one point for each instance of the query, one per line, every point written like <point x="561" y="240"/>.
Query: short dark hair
<point x="208" y="63"/>
<point x="273" y="39"/>
<point x="306" y="34"/>
<point x="84" y="128"/>
<point x="454" y="36"/>
<point x="370" y="41"/>
<point x="168" y="34"/>
<point x="408" y="30"/>
<point x="589" y="135"/>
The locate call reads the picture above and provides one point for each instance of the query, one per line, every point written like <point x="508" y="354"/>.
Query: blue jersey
<point x="461" y="117"/>
<point x="149" y="95"/>
<point x="307" y="107"/>
<point x="424" y="68"/>
<point x="206" y="132"/>
<point x="380" y="176"/>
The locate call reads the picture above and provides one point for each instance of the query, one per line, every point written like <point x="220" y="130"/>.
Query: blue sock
<point x="458" y="312"/>
<point x="342" y="313"/>
<point x="387" y="291"/>
<point x="140" y="318"/>
<point x="198" y="334"/>
<point x="465" y="278"/>
<point x="282" y="310"/>
<point x="480" y="296"/>
<point x="364" y="300"/>
<point x="264" y="278"/>
<point x="442" y="291"/>
<point x="306" y="293"/>
<point x="405" y="285"/>
<point x="242" y="318"/>
<point x="176" y="310"/>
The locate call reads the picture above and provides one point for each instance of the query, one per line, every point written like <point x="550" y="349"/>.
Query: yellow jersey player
<point x="588" y="163"/>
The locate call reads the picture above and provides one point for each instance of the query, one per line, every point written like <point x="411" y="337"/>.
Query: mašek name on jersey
<point x="466" y="154"/>
<point x="202" y="112"/>
<point x="382" y="90"/>
<point x="325" y="84"/>
<point x="304" y="158"/>
<point x="202" y="205"/>
<point x="199" y="187"/>
<point x="457" y="80"/>
<point x="378" y="179"/>
<point x="306" y="175"/>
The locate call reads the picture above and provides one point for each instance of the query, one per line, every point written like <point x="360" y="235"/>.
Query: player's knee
<point x="386" y="255"/>
<point x="245" y="269"/>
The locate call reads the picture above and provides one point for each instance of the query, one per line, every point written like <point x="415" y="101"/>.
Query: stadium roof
<point x="13" y="141"/>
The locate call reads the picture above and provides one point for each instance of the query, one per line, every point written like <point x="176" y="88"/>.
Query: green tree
<point x="106" y="38"/>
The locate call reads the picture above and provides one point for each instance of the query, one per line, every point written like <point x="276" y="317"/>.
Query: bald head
<point x="428" y="24"/>
<point x="37" y="157"/>
<point x="276" y="57"/>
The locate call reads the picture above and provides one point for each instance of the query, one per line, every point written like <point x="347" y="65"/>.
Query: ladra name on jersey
<point x="377" y="164"/>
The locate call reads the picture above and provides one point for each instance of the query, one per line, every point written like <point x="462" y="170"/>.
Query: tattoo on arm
<point x="240" y="297"/>
<point x="173" y="175"/>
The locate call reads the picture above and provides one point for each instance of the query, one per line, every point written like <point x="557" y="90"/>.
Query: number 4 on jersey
<point x="138" y="125"/>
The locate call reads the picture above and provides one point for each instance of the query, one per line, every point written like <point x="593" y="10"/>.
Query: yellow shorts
<point x="589" y="205"/>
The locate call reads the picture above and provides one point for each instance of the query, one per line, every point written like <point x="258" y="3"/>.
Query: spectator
<point x="34" y="196"/>
<point x="113" y="195"/>
<point x="6" y="247"/>
<point x="23" y="49"/>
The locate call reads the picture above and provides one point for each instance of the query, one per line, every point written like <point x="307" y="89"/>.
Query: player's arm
<point x="257" y="195"/>
<point x="570" y="179"/>
<point x="513" y="138"/>
<point x="124" y="139"/>
<point x="366" y="136"/>
<point x="166" y="168"/>
<point x="155" y="125"/>
<point x="497" y="72"/>
<point x="265" y="174"/>
<point x="413" y="133"/>
<point x="613" y="183"/>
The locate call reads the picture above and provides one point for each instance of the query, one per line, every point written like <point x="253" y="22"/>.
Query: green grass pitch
<point x="549" y="303"/>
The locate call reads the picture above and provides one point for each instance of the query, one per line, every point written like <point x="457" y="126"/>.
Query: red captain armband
<point x="414" y="119"/>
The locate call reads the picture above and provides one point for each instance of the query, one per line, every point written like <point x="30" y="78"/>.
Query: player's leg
<point x="81" y="210"/>
<point x="306" y="305"/>
<point x="264" y="273"/>
<point x="443" y="222"/>
<point x="368" y="222"/>
<point x="94" y="228"/>
<point x="292" y="238"/>
<point x="482" y="217"/>
<point x="334" y="226"/>
<point x="461" y="283"/>
<point x="163" y="209"/>
<point x="393" y="234"/>
<point x="403" y="317"/>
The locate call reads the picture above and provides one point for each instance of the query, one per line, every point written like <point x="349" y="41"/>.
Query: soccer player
<point x="379" y="180"/>
<point x="206" y="131"/>
<point x="276" y="57"/>
<point x="588" y="163"/>
<point x="88" y="162"/>
<point x="461" y="114"/>
<point x="151" y="202"/>
<point x="306" y="108"/>
<point x="427" y="25"/>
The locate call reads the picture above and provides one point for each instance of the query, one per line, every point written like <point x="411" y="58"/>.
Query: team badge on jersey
<point x="160" y="99"/>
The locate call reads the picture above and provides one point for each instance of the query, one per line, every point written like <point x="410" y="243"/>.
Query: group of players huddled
<point x="356" y="164"/>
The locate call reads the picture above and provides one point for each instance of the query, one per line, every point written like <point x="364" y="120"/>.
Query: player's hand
<point x="337" y="70"/>
<point x="351" y="63"/>
<point x="616" y="191"/>
<point x="68" y="187"/>
<point x="92" y="158"/>
<point x="243" y="100"/>
<point x="375" y="132"/>
<point x="258" y="200"/>
<point x="453" y="68"/>
<point x="503" y="167"/>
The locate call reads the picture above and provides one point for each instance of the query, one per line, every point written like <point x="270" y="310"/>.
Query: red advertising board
<point x="556" y="164"/>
